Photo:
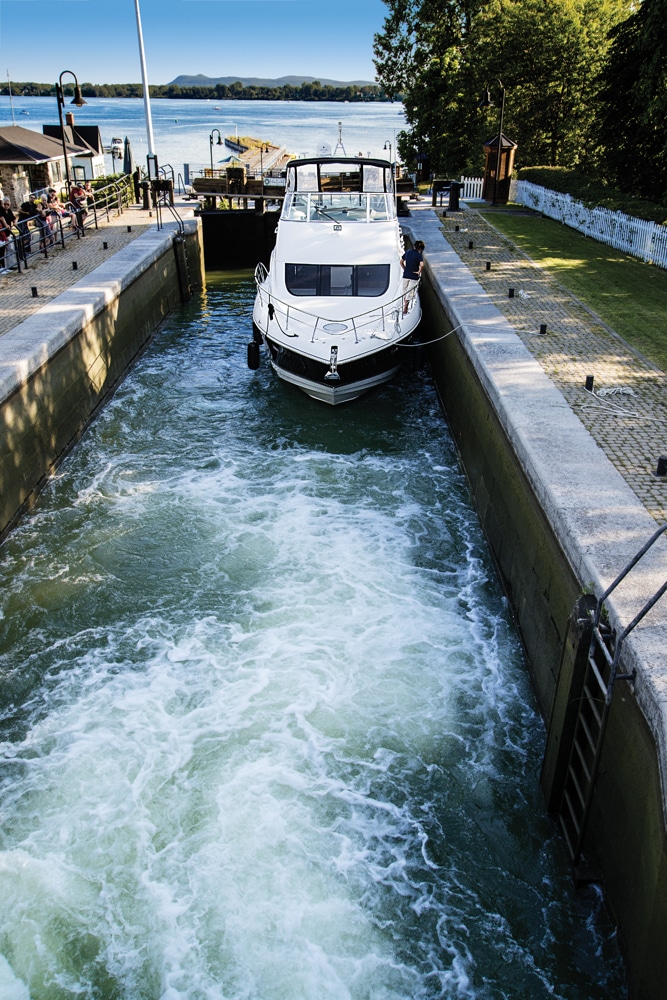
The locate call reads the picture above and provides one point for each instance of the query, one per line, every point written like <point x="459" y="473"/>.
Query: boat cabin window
<point x="306" y="177"/>
<point x="374" y="179"/>
<point x="340" y="177"/>
<point x="362" y="280"/>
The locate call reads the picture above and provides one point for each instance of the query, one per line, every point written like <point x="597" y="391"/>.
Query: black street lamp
<point x="219" y="143"/>
<point x="79" y="102"/>
<point x="388" y="146"/>
<point x="487" y="102"/>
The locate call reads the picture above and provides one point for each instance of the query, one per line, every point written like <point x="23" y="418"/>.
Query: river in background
<point x="267" y="732"/>
<point x="182" y="128"/>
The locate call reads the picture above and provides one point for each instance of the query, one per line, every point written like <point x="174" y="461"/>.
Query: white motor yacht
<point x="331" y="309"/>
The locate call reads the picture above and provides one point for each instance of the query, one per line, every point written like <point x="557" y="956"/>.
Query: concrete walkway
<point x="627" y="412"/>
<point x="55" y="274"/>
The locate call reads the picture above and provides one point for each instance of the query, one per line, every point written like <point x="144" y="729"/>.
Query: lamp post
<point x="210" y="142"/>
<point x="388" y="146"/>
<point x="79" y="102"/>
<point x="487" y="102"/>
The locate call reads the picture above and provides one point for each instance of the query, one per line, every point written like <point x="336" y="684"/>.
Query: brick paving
<point x="54" y="274"/>
<point x="627" y="411"/>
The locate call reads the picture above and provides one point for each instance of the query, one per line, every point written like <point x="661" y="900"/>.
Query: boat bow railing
<point x="385" y="320"/>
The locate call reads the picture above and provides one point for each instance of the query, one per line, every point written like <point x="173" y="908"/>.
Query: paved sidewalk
<point x="627" y="412"/>
<point x="54" y="274"/>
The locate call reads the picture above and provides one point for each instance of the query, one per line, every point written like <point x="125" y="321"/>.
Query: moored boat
<point x="331" y="309"/>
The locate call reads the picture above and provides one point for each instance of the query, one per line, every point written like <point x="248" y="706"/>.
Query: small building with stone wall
<point x="30" y="161"/>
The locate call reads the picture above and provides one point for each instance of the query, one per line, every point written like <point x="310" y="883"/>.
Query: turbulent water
<point x="266" y="729"/>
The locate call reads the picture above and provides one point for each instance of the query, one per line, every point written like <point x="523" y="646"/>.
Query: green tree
<point x="547" y="53"/>
<point x="632" y="113"/>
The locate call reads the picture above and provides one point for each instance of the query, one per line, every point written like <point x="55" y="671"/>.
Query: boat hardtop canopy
<point x="340" y="173"/>
<point x="378" y="162"/>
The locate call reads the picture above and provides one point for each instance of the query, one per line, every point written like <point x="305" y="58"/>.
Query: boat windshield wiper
<point x="320" y="211"/>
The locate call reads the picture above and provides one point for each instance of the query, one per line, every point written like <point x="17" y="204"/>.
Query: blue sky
<point x="97" y="39"/>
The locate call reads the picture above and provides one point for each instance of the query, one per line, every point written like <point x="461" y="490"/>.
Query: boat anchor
<point x="332" y="375"/>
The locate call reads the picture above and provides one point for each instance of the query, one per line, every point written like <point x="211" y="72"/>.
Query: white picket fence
<point x="646" y="240"/>
<point x="472" y="188"/>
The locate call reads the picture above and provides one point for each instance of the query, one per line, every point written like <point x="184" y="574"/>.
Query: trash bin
<point x="454" y="192"/>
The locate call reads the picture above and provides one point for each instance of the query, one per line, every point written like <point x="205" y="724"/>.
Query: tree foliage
<point x="632" y="113"/>
<point x="546" y="54"/>
<point x="221" y="92"/>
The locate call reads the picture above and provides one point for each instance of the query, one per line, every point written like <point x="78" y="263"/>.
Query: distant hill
<point x="255" y="81"/>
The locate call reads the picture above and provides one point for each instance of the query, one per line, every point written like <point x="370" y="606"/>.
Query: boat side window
<point x="362" y="280"/>
<point x="302" y="279"/>
<point x="372" y="279"/>
<point x="373" y="178"/>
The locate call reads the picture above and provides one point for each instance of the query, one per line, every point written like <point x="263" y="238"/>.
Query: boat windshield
<point x="318" y="206"/>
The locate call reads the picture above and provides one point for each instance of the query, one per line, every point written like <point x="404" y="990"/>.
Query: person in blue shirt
<point x="412" y="263"/>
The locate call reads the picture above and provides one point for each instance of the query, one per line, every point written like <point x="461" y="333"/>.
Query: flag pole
<point x="144" y="80"/>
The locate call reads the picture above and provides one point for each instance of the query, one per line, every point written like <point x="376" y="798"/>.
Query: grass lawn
<point x="628" y="295"/>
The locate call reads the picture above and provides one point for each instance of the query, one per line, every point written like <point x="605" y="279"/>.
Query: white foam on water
<point x="211" y="807"/>
<point x="11" y="988"/>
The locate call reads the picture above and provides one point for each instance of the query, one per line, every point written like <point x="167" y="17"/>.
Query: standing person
<point x="77" y="197"/>
<point x="27" y="211"/>
<point x="412" y="263"/>
<point x="4" y="239"/>
<point x="44" y="223"/>
<point x="7" y="221"/>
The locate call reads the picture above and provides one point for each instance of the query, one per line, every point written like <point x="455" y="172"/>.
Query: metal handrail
<point x="383" y="312"/>
<point x="115" y="195"/>
<point x="164" y="202"/>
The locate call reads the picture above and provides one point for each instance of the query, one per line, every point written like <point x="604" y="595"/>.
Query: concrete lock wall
<point x="63" y="362"/>
<point x="626" y="838"/>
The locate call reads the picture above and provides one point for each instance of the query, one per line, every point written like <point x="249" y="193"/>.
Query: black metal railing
<point x="39" y="235"/>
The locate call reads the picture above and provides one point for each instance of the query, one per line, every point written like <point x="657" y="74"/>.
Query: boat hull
<point x="355" y="377"/>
